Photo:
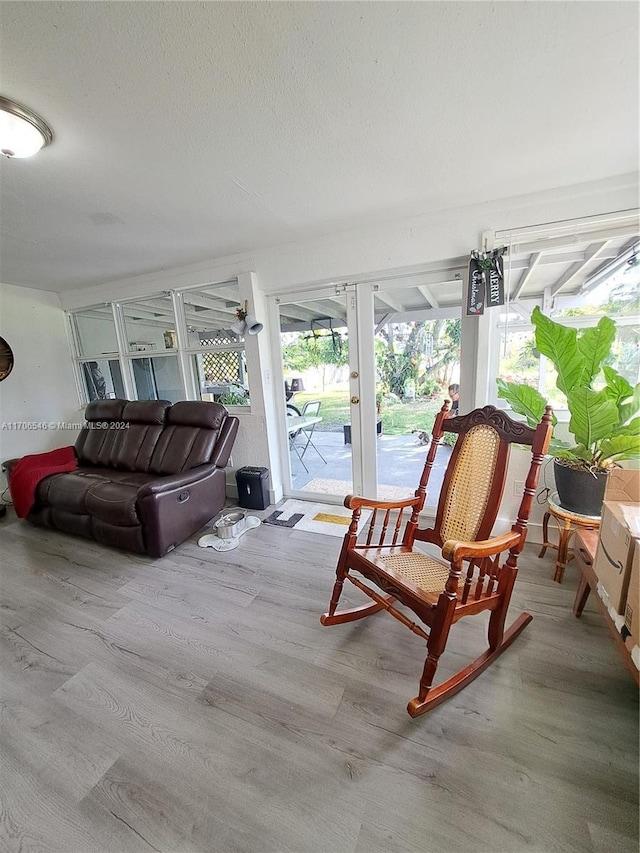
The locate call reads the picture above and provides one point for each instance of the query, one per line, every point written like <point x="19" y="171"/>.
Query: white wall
<point x="41" y="386"/>
<point x="410" y="242"/>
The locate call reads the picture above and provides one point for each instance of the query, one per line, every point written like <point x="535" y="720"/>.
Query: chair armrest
<point x="455" y="550"/>
<point x="356" y="502"/>
<point x="176" y="481"/>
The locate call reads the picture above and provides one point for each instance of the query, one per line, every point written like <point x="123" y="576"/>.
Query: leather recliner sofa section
<point x="149" y="475"/>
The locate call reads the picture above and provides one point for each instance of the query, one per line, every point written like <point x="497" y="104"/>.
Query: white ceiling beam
<point x="206" y="301"/>
<point x="388" y="299"/>
<point x="590" y="255"/>
<point x="158" y="306"/>
<point x="428" y="295"/>
<point x="417" y="316"/>
<point x="568" y="240"/>
<point x="162" y="317"/>
<point x="332" y="309"/>
<point x="382" y="322"/>
<point x="147" y="313"/>
<point x="534" y="260"/>
<point x="296" y="312"/>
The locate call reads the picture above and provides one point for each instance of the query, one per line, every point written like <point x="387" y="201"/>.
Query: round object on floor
<point x="211" y="540"/>
<point x="229" y="525"/>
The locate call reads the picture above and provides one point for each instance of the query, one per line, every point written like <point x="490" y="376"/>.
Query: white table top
<point x="296" y="422"/>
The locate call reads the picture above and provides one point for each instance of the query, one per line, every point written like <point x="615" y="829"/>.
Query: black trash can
<point x="253" y="492"/>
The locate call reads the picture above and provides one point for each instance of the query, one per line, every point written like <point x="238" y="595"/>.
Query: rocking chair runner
<point x="468" y="506"/>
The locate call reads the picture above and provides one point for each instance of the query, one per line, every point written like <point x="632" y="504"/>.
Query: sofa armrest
<point x="222" y="450"/>
<point x="175" y="507"/>
<point x="176" y="481"/>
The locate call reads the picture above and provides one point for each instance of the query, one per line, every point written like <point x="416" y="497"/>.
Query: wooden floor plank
<point x="195" y="703"/>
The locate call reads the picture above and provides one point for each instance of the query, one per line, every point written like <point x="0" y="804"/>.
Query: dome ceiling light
<point x="22" y="132"/>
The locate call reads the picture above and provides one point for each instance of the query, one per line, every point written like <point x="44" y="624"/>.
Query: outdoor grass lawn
<point x="398" y="418"/>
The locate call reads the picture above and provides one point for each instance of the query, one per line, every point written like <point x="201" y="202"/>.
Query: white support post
<point x="475" y="360"/>
<point x="123" y="347"/>
<point x="263" y="399"/>
<point x="360" y="314"/>
<point x="184" y="366"/>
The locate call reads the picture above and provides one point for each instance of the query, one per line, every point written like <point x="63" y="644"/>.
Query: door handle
<point x="355" y="400"/>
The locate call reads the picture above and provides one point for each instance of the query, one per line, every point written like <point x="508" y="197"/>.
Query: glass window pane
<point x="157" y="378"/>
<point x="210" y="312"/>
<point x="102" y="379"/>
<point x="617" y="298"/>
<point x="95" y="331"/>
<point x="221" y="377"/>
<point x="150" y="324"/>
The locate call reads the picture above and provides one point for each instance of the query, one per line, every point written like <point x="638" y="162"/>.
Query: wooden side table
<point x="568" y="522"/>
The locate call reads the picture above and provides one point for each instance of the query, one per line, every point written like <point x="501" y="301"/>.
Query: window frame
<point x="125" y="355"/>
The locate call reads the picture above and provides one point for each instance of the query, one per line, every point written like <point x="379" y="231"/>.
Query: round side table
<point x="568" y="522"/>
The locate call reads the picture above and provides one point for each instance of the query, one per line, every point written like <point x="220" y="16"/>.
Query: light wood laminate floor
<point x="195" y="703"/>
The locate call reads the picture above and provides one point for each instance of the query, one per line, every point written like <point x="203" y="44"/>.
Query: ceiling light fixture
<point x="22" y="132"/>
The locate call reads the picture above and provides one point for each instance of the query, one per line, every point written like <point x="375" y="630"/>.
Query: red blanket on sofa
<point x="29" y="470"/>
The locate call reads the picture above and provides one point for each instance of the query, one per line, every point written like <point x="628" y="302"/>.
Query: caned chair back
<point x="476" y="474"/>
<point x="473" y="475"/>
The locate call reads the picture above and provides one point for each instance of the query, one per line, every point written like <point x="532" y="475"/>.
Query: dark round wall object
<point x="6" y="359"/>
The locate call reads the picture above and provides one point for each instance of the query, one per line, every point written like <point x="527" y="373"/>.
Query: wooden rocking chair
<point x="472" y="579"/>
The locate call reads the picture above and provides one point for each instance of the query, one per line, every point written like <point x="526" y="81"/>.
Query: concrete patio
<point x="400" y="463"/>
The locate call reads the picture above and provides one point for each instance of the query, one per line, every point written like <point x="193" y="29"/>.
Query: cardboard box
<point x="623" y="485"/>
<point x="632" y="606"/>
<point x="614" y="556"/>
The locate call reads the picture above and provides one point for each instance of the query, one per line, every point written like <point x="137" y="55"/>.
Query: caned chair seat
<point x="470" y="577"/>
<point x="427" y="574"/>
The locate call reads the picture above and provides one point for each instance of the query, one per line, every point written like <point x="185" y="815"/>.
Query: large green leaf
<point x="523" y="399"/>
<point x="618" y="387"/>
<point x="632" y="428"/>
<point x="631" y="408"/>
<point x="594" y="415"/>
<point x="560" y="344"/>
<point x="578" y="452"/>
<point x="594" y="345"/>
<point x="620" y="447"/>
<point x="557" y="447"/>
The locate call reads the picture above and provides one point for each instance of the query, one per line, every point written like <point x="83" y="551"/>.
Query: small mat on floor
<point x="344" y="487"/>
<point x="313" y="517"/>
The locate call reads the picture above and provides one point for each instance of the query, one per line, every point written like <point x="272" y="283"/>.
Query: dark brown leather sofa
<point x="150" y="474"/>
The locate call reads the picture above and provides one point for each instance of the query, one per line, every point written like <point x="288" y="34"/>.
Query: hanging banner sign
<point x="495" y="282"/>
<point x="475" y="292"/>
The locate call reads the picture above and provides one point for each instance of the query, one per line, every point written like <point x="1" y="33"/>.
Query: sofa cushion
<point x="95" y="443"/>
<point x="68" y="492"/>
<point x="189" y="437"/>
<point x="131" y="478"/>
<point x="114" y="503"/>
<point x="134" y="444"/>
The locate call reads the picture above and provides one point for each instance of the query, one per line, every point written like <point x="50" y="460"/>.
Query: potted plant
<point x="604" y="408"/>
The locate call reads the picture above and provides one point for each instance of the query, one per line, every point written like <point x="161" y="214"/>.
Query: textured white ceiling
<point x="187" y="131"/>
